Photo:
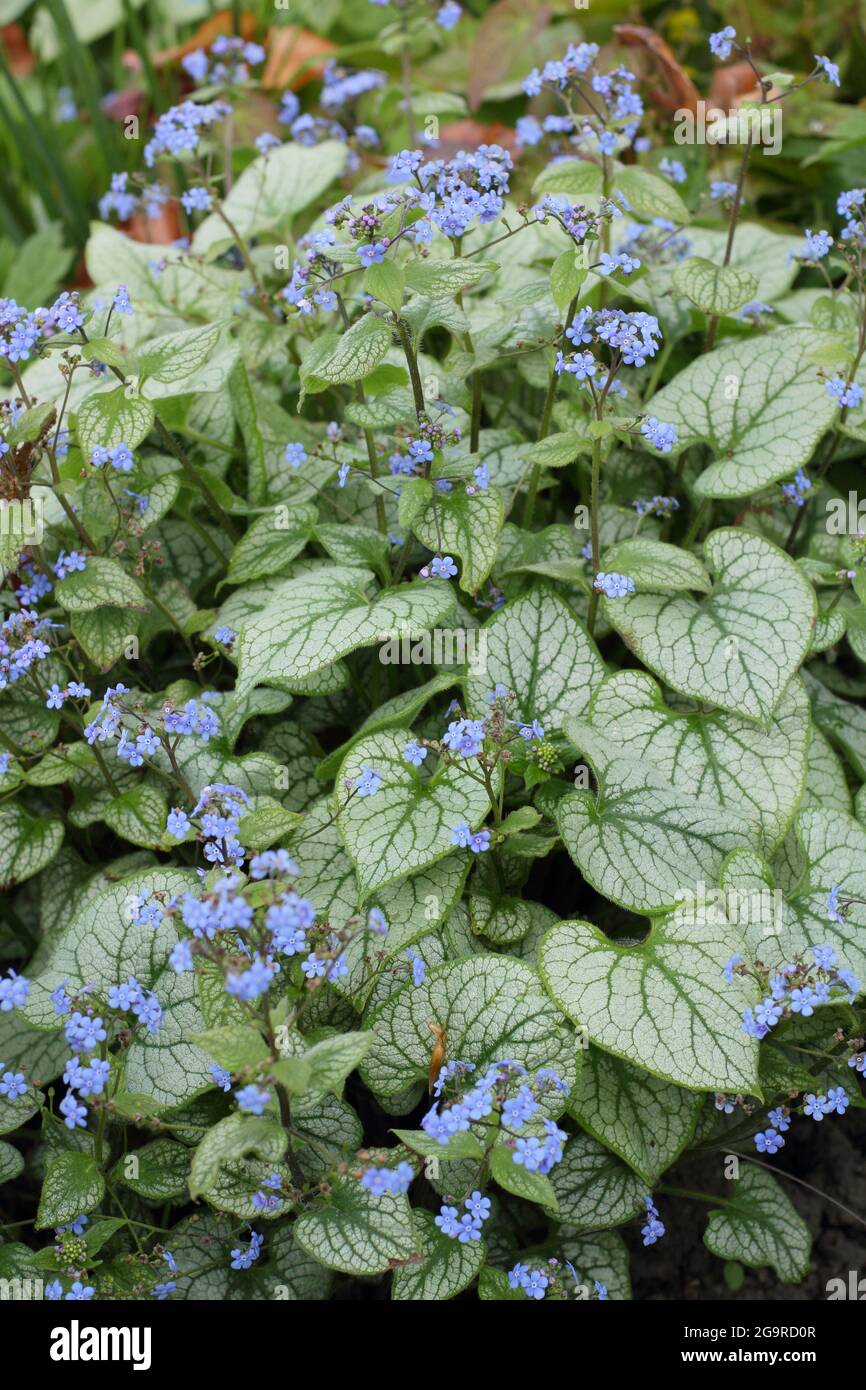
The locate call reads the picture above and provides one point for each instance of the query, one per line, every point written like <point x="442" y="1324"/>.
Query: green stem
<point x="593" y="518"/>
<point x="732" y="227"/>
<point x="412" y="363"/>
<point x="696" y="523"/>
<point x="695" y="1196"/>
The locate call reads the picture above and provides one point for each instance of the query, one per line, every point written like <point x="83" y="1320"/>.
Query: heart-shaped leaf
<point x="758" y="403"/>
<point x="642" y="842"/>
<point x="541" y="651"/>
<point x="759" y="1226"/>
<point x="663" y="1005"/>
<point x="407" y="824"/>
<point x="758" y="770"/>
<point x="491" y="1007"/>
<point x="739" y="647"/>
<point x="715" y="289"/>
<point x="310" y="622"/>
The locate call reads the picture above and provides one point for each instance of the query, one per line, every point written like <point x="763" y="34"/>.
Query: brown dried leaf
<point x="295" y="57"/>
<point x="468" y="135"/>
<point x="16" y="49"/>
<point x="204" y="35"/>
<point x="680" y="92"/>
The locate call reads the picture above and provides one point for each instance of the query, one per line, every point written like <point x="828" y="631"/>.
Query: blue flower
<point x="448" y="1221"/>
<point x="720" y="189"/>
<point x="79" y="1292"/>
<point x="369" y="782"/>
<point x="534" y="1284"/>
<point x="74" y="1114"/>
<point x="225" y="635"/>
<point x="441" y="567"/>
<point x="419" y="969"/>
<point x="817" y="244"/>
<point x="465" y="736"/>
<point x="831" y="70"/>
<point x="221" y="1076"/>
<point x="414" y="753"/>
<point x="802" y="1001"/>
<point x="253" y="1099"/>
<point x="373" y="253"/>
<point x="817" y="1106"/>
<point x="673" y="169"/>
<point x="242" y="1259"/>
<point x="461" y="835"/>
<point x="662" y="437"/>
<point x="177" y="823"/>
<point x="769" y="1142"/>
<point x="721" y="42"/>
<point x="295" y="454"/>
<point x="834" y="911"/>
<point x="734" y="961"/>
<point x="837" y="1100"/>
<point x="381" y="1180"/>
<point x="613" y="585"/>
<point x="56" y="696"/>
<point x="448" y="14"/>
<point x="377" y="921"/>
<point x="478" y="1206"/>
<point x="12" y="1084"/>
<point x="121" y="301"/>
<point x="196" y="200"/>
<point x="848" y="394"/>
<point x="825" y="957"/>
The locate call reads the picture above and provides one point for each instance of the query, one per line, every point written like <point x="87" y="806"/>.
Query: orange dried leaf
<point x="295" y="57"/>
<point x="207" y="31"/>
<point x="680" y="92"/>
<point x="16" y="50"/>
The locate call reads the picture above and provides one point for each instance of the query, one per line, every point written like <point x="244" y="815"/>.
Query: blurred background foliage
<point x="73" y="73"/>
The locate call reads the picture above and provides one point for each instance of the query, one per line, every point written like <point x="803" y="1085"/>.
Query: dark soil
<point x="831" y="1157"/>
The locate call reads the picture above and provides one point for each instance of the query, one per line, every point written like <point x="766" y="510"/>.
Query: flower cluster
<point x="852" y="205"/>
<point x="180" y="129"/>
<point x="656" y="506"/>
<point x="217" y="813"/>
<point x="798" y="490"/>
<point x="503" y="1095"/>
<point x="653" y="1229"/>
<point x="243" y="1259"/>
<point x="120" y="457"/>
<point x="14" y="990"/>
<point x="24" y="331"/>
<point x="140" y="737"/>
<point x="394" y="1180"/>
<point x="228" y="61"/>
<point x="245" y="925"/>
<point x="550" y="1282"/>
<point x="468" y="1225"/>
<point x="612" y="111"/>
<point x="796" y="988"/>
<point x="85" y="1074"/>
<point x="22" y="644"/>
<point x="454" y="193"/>
<point x="613" y="585"/>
